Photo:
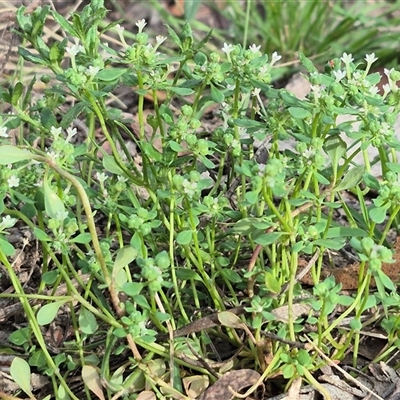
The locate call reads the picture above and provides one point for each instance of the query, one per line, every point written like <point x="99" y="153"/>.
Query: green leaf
<point x="41" y="235"/>
<point x="54" y="206"/>
<point x="16" y="93"/>
<point x="141" y="92"/>
<point x="394" y="167"/>
<point x="252" y="196"/>
<point x="21" y="373"/>
<point x="175" y="38"/>
<point x="50" y="277"/>
<point x="371" y="302"/>
<point x="345" y="300"/>
<point x="200" y="58"/>
<point x="82" y="238"/>
<point x="175" y="146"/>
<point x="245" y="225"/>
<point x="330" y="244"/>
<point x="231" y="275"/>
<point x="185" y="237"/>
<point x="141" y="301"/>
<point x="33" y="58"/>
<point x="187" y="274"/>
<point x="216" y="94"/>
<point x="182" y="91"/>
<point x="378" y="214"/>
<point x="307" y="63"/>
<point x="299" y="113"/>
<point x="342" y="231"/>
<point x="6" y="247"/>
<point x="335" y="147"/>
<point x="266" y="239"/>
<point x="111" y="165"/>
<point x="72" y="114"/>
<point x="355" y="324"/>
<point x="351" y="179"/>
<point x="152" y="153"/>
<point x="132" y="288"/>
<point x="87" y="321"/>
<point x="111" y="74"/>
<point x="124" y="257"/>
<point x="47" y="118"/>
<point x="12" y="154"/>
<point x="48" y="312"/>
<point x="385" y="280"/>
<point x="289" y="98"/>
<point x="303" y="357"/>
<point x="206" y="162"/>
<point x="65" y="25"/>
<point x="371" y="181"/>
<point x="271" y="283"/>
<point x="321" y="179"/>
<point x="54" y="54"/>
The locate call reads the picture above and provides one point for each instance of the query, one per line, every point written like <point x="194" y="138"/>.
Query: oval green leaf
<point x="124" y="257"/>
<point x="21" y="373"/>
<point x="48" y="312"/>
<point x="11" y="154"/>
<point x="184" y="237"/>
<point x="54" y="206"/>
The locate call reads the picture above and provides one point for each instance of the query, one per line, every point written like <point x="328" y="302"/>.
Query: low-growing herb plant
<point x="194" y="220"/>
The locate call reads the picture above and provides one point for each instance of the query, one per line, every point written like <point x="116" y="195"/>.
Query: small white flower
<point x="141" y="24"/>
<point x="101" y="177"/>
<point x="121" y="178"/>
<point x="373" y="90"/>
<point x="55" y="132"/>
<point x="386" y="89"/>
<point x="92" y="71"/>
<point x="13" y="181"/>
<point x="385" y="129"/>
<point x="370" y="58"/>
<point x="71" y="132"/>
<point x="75" y="49"/>
<point x="347" y="58"/>
<point x="256" y="92"/>
<point x="388" y="72"/>
<point x="275" y="57"/>
<point x="7" y="222"/>
<point x="61" y="215"/>
<point x="316" y="90"/>
<point x="339" y="75"/>
<point x="235" y="144"/>
<point x="189" y="188"/>
<point x="120" y="29"/>
<point x="227" y="48"/>
<point x="160" y="39"/>
<point x="308" y="153"/>
<point x="264" y="69"/>
<point x="254" y="49"/>
<point x="230" y="86"/>
<point x="53" y="155"/>
<point x="3" y="132"/>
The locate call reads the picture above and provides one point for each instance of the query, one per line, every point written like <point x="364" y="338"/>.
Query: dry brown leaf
<point x="348" y="276"/>
<point x="282" y="313"/>
<point x="195" y="385"/>
<point x="237" y="380"/>
<point x="92" y="380"/>
<point x="146" y="395"/>
<point x="294" y="390"/>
